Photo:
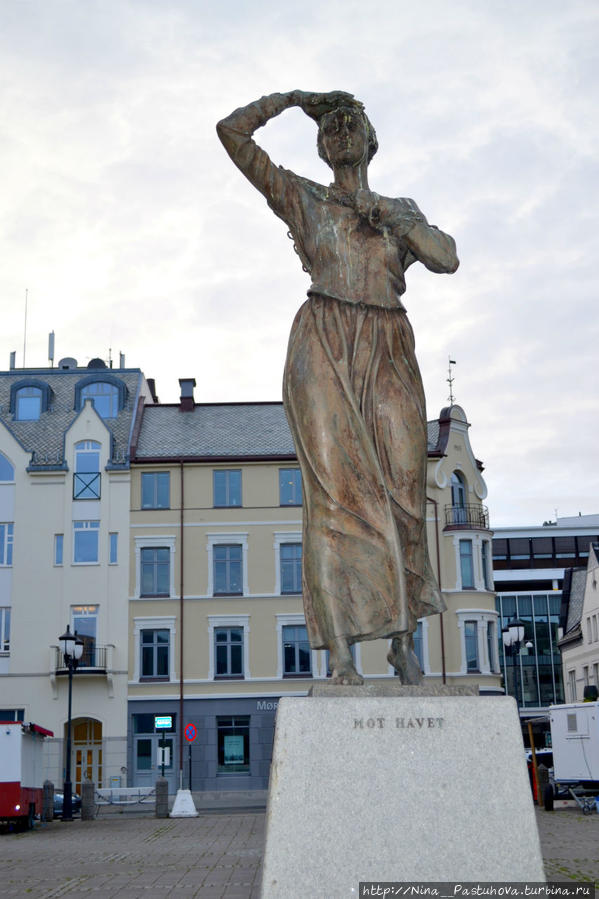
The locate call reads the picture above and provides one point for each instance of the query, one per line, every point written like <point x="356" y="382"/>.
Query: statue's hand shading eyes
<point x="316" y="105"/>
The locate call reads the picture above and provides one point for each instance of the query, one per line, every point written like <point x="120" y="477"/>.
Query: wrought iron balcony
<point x="473" y="517"/>
<point x="93" y="660"/>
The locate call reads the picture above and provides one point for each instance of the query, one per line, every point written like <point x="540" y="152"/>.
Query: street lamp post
<point x="72" y="649"/>
<point x="513" y="637"/>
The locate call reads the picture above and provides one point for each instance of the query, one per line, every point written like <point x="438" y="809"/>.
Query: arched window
<point x="458" y="498"/>
<point x="7" y="471"/>
<point x="29" y="404"/>
<point x="28" y="399"/>
<point x="104" y="396"/>
<point x="458" y="490"/>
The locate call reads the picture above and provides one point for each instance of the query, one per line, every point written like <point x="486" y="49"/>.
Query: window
<point x="58" y="548"/>
<point x="104" y="396"/>
<point x="155" y="645"/>
<point x="28" y="404"/>
<point x="484" y="550"/>
<point x="585" y="675"/>
<point x="596" y="673"/>
<point x="4" y="630"/>
<point x="85" y="622"/>
<point x="418" y="645"/>
<point x="572" y="685"/>
<point x="291" y="567"/>
<point x="290" y="487"/>
<point x="233" y="741"/>
<point x="595" y="628"/>
<point x="458" y="495"/>
<point x="7" y="472"/>
<point x="155" y="571"/>
<point x="228" y="652"/>
<point x="227" y="487"/>
<point x="466" y="565"/>
<point x="471" y="639"/>
<point x="492" y="645"/>
<point x="228" y="569"/>
<point x="86" y="478"/>
<point x="155" y="490"/>
<point x="297" y="657"/>
<point x="113" y="549"/>
<point x="589" y="631"/>
<point x="85" y="543"/>
<point x="6" y="541"/>
<point x="12" y="714"/>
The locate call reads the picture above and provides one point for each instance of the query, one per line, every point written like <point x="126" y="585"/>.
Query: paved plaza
<point x="214" y="856"/>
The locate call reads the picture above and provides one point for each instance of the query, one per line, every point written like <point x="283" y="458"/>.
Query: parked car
<point x="59" y="799"/>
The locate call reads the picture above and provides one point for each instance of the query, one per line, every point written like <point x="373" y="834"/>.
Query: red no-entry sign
<point x="191" y="732"/>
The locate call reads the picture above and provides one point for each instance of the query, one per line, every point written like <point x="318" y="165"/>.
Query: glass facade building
<point x="534" y="677"/>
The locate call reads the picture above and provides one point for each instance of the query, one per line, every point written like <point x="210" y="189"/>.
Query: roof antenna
<point x="450" y="381"/>
<point x="25" y="327"/>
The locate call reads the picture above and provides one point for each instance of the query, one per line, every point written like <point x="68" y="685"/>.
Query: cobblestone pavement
<point x="215" y="856"/>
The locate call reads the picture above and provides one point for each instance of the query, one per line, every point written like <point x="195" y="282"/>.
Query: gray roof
<point x="44" y="438"/>
<point x="219" y="430"/>
<point x="576" y="600"/>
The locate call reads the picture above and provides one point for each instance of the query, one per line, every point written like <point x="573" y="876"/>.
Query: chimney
<point x="187" y="400"/>
<point x="152" y="386"/>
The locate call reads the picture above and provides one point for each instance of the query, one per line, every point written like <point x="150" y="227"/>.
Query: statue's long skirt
<point x="354" y="400"/>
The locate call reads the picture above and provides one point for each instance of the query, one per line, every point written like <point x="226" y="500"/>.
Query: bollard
<point x="88" y="806"/>
<point x="162" y="797"/>
<point x="48" y="801"/>
<point x="543" y="781"/>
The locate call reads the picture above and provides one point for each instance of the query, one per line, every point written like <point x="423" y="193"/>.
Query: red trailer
<point x="21" y="772"/>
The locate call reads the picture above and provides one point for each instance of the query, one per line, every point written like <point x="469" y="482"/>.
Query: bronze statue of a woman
<point x="352" y="389"/>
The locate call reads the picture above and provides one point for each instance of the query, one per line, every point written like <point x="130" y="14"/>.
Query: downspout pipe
<point x="181" y="612"/>
<point x="437" y="541"/>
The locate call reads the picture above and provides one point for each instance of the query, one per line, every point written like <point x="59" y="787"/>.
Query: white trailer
<point x="575" y="744"/>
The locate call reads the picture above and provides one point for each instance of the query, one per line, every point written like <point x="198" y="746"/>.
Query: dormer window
<point x="28" y="399"/>
<point x="107" y="393"/>
<point x="105" y="398"/>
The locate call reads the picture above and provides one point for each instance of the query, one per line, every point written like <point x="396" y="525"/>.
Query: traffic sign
<point x="163" y="721"/>
<point x="190" y="732"/>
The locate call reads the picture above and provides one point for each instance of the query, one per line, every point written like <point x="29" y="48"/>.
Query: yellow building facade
<point x="216" y="624"/>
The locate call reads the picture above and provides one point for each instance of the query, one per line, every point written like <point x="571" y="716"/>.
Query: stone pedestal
<point x="161" y="797"/>
<point x="88" y="806"/>
<point x="394" y="789"/>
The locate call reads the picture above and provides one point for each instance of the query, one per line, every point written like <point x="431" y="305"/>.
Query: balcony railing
<point x="473" y="517"/>
<point x="92" y="660"/>
<point x="86" y="485"/>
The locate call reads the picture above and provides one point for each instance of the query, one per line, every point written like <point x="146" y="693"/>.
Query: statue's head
<point x="346" y="137"/>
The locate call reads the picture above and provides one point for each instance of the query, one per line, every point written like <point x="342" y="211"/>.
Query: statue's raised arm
<point x="352" y="389"/>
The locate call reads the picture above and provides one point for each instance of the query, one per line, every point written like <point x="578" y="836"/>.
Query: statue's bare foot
<point x="346" y="675"/>
<point x="404" y="659"/>
<point x="342" y="665"/>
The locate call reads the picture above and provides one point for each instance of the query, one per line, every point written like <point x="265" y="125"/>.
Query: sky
<point x="124" y="226"/>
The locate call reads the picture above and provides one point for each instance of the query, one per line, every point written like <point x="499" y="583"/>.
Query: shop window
<point x="233" y="742"/>
<point x="290" y="487"/>
<point x="12" y="714"/>
<point x="227" y="487"/>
